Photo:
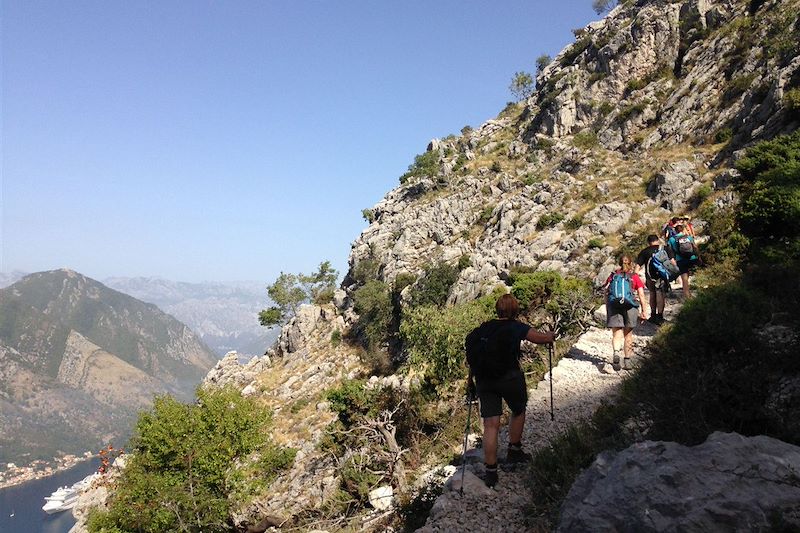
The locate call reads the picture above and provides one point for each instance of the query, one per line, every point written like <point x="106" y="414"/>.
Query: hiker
<point x="656" y="286"/>
<point x="686" y="222"/>
<point x="625" y="304"/>
<point x="499" y="378"/>
<point x="668" y="230"/>
<point x="686" y="256"/>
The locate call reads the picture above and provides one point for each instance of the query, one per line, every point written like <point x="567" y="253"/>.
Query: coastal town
<point x="12" y="474"/>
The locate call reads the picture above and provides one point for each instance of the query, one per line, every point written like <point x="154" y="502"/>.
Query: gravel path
<point x="581" y="380"/>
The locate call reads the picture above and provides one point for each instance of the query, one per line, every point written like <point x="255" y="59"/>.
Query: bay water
<point x="21" y="505"/>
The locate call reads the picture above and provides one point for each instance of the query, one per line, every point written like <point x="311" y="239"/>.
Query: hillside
<point x="661" y="107"/>
<point x="78" y="360"/>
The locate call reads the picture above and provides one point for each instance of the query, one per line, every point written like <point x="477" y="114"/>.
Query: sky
<point x="234" y="140"/>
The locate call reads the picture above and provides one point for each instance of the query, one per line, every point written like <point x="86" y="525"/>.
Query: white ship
<point x="65" y="497"/>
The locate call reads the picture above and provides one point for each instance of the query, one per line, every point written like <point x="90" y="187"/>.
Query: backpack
<point x="659" y="266"/>
<point x="669" y="230"/>
<point x="684" y="245"/>
<point x="620" y="291"/>
<point x="490" y="349"/>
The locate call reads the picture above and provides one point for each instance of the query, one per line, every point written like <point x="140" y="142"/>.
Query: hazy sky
<point x="232" y="140"/>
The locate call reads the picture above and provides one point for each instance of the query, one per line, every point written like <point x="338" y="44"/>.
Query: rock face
<point x="728" y="483"/>
<point x="78" y="360"/>
<point x="626" y="125"/>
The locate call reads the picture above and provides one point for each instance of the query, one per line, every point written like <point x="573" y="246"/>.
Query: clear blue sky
<point x="232" y="140"/>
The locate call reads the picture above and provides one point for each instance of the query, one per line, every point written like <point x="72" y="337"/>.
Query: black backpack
<point x="492" y="349"/>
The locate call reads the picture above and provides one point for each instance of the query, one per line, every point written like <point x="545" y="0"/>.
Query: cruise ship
<point x="65" y="497"/>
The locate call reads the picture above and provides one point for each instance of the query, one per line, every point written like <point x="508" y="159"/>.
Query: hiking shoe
<point x="490" y="476"/>
<point x="615" y="361"/>
<point x="517" y="455"/>
<point x="626" y="363"/>
<point x="654" y="320"/>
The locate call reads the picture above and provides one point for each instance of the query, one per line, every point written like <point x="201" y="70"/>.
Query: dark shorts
<point x="656" y="285"/>
<point x="511" y="388"/>
<point x="620" y="317"/>
<point x="684" y="265"/>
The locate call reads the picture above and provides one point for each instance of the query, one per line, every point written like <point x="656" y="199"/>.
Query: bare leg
<point x="685" y="286"/>
<point x="515" y="427"/>
<point x="628" y="336"/>
<point x="491" y="427"/>
<point x="659" y="302"/>
<point x="617" y="339"/>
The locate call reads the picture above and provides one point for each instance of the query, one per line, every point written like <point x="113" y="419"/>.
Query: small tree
<point x="521" y="85"/>
<point x="291" y="290"/>
<point x="602" y="6"/>
<point x="542" y="61"/>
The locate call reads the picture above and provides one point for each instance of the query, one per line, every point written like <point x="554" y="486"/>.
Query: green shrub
<point x="577" y="48"/>
<point x="635" y="85"/>
<point x="737" y="86"/>
<point x="486" y="214"/>
<point x="336" y="337"/>
<point x="434" y="340"/>
<point x="605" y="108"/>
<point x="596" y="242"/>
<point x="373" y="303"/>
<point x="585" y="140"/>
<point x="702" y="192"/>
<point x="368" y="216"/>
<point x="791" y="100"/>
<point x="434" y="285"/>
<point x="193" y="464"/>
<point x="464" y="262"/>
<point x="723" y="135"/>
<point x="545" y="297"/>
<point x="548" y="220"/>
<point x="594" y="77"/>
<point x="630" y="111"/>
<point x="496" y="167"/>
<point x="574" y="223"/>
<point x="426" y="164"/>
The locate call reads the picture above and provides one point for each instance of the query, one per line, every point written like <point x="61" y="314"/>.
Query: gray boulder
<point x="673" y="187"/>
<point x="728" y="483"/>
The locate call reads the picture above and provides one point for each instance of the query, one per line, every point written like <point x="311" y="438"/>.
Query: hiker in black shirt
<point x="510" y="387"/>
<point x="656" y="287"/>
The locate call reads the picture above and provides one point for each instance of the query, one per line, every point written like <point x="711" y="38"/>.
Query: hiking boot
<point x="626" y="363"/>
<point x="654" y="320"/>
<point x="490" y="476"/>
<point x="615" y="361"/>
<point x="517" y="455"/>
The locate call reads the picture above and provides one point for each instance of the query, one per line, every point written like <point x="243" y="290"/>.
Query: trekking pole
<point x="464" y="453"/>
<point x="550" y="349"/>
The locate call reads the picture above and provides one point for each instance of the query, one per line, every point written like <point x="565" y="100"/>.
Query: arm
<point x="642" y="304"/>
<point x="540" y="337"/>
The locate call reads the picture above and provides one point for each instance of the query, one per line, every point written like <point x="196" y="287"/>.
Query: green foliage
<point x="426" y="164"/>
<point x="791" y="100"/>
<point x="585" y="140"/>
<point x="434" y="339"/>
<point x="336" y="337"/>
<point x="596" y="242"/>
<point x="192" y="464"/>
<point x="368" y="215"/>
<point x="594" y="77"/>
<point x="548" y="220"/>
<point x="635" y="84"/>
<point x="486" y="214"/>
<point x="574" y="223"/>
<point x="737" y="86"/>
<point x="602" y="6"/>
<point x="702" y="192"/>
<point x="373" y="303"/>
<point x="548" y="299"/>
<point x="605" y="108"/>
<point x="290" y="290"/>
<point x="434" y="285"/>
<point x="769" y="212"/>
<point x="522" y="85"/>
<point x="542" y="61"/>
<point x="464" y="262"/>
<point x="629" y="111"/>
<point x="577" y="48"/>
<point x="415" y="512"/>
<point x="723" y="135"/>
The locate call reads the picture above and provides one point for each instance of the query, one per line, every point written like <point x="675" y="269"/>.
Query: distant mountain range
<point x="223" y="315"/>
<point x="78" y="360"/>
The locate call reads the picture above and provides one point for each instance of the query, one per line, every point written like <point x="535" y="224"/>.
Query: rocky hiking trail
<point x="582" y="380"/>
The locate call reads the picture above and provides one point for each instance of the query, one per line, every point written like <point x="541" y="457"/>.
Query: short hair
<point x="652" y="238"/>
<point x="507" y="306"/>
<point x="679" y="228"/>
<point x="675" y="219"/>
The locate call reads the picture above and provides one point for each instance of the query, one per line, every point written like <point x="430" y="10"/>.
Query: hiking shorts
<point x="684" y="265"/>
<point x="620" y="317"/>
<point x="656" y="285"/>
<point x="511" y="388"/>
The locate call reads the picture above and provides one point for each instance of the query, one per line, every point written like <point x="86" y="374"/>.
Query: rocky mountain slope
<point x="223" y="315"/>
<point x="78" y="360"/>
<point x="641" y="117"/>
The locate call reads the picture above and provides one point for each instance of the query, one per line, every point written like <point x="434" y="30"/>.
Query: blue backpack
<point x="659" y="266"/>
<point x="620" y="291"/>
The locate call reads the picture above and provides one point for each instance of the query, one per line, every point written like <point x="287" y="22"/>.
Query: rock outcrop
<point x="728" y="483"/>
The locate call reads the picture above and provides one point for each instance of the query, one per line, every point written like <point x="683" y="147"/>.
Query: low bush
<point x="434" y="285"/>
<point x="426" y="164"/>
<point x="548" y="220"/>
<point x="373" y="303"/>
<point x="585" y="140"/>
<point x="192" y="464"/>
